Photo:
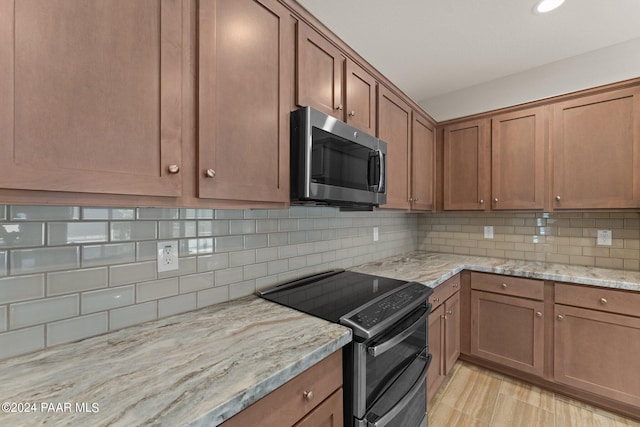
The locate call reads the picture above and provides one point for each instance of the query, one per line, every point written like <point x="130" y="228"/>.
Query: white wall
<point x="599" y="67"/>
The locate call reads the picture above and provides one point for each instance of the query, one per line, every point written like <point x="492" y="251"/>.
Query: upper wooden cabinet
<point x="394" y="127"/>
<point x="245" y="72"/>
<point x="331" y="83"/>
<point x="423" y="139"/>
<point x="517" y="160"/>
<point x="596" y="151"/>
<point x="90" y="96"/>
<point x="466" y="165"/>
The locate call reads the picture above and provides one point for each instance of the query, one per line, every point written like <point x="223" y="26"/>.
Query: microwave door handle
<point x="377" y="350"/>
<point x="381" y="182"/>
<point x="406" y="399"/>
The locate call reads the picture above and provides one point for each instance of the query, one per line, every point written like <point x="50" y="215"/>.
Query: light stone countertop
<point x="197" y="368"/>
<point x="432" y="269"/>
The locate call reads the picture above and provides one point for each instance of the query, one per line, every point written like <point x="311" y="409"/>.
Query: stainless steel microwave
<point x="335" y="164"/>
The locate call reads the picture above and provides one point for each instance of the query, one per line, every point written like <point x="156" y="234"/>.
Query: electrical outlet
<point x="488" y="231"/>
<point x="167" y="256"/>
<point x="375" y="234"/>
<point x="604" y="237"/>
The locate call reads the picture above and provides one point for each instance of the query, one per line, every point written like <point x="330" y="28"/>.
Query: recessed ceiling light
<point x="544" y="6"/>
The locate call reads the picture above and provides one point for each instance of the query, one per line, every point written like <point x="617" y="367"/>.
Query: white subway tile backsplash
<point x="196" y="213"/>
<point x="228" y="243"/>
<point x="177" y="229"/>
<point x="175" y="305"/>
<point x="66" y="282"/>
<point x="196" y="282"/>
<point x="241" y="258"/>
<point x="42" y="311"/>
<point x="146" y="251"/>
<point x="133" y="230"/>
<point x="212" y="296"/>
<point x="266" y="254"/>
<point x="242" y="289"/>
<point x="158" y="213"/>
<point x="256" y="214"/>
<point x="117" y="253"/>
<point x="22" y="341"/>
<point x="76" y="329"/>
<point x="242" y="226"/>
<point x="21" y="288"/>
<point x="213" y="262"/>
<point x="3" y="318"/>
<point x="198" y="246"/>
<point x="275" y="267"/>
<point x="24" y="261"/>
<point x="43" y="213"/>
<point x="3" y="212"/>
<point x="156" y="289"/>
<point x="229" y="214"/>
<point x="256" y="241"/>
<point x="63" y="233"/>
<point x="255" y="271"/>
<point x="3" y="263"/>
<point x="187" y="266"/>
<point x="228" y="276"/>
<point x="132" y="273"/>
<point x="278" y="213"/>
<point x="266" y="225"/>
<point x="105" y="299"/>
<point x="132" y="315"/>
<point x="20" y="235"/>
<point x="277" y="239"/>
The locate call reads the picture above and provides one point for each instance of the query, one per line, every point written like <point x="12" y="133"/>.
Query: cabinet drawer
<point x="444" y="290"/>
<point x="287" y="404"/>
<point x="507" y="285"/>
<point x="615" y="301"/>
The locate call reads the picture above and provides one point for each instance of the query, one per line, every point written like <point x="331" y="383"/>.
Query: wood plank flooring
<point x="476" y="397"/>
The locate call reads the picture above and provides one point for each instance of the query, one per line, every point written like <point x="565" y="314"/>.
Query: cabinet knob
<point x="352" y="113"/>
<point x="436" y="299"/>
<point x="415" y="200"/>
<point x="560" y="317"/>
<point x="339" y="107"/>
<point x="481" y="201"/>
<point x="449" y="312"/>
<point x="538" y="314"/>
<point x="504" y="286"/>
<point x="603" y="301"/>
<point x="557" y="198"/>
<point x="456" y="286"/>
<point x="410" y="199"/>
<point x="495" y="200"/>
<point x="210" y="173"/>
<point x="308" y="395"/>
<point x="174" y="168"/>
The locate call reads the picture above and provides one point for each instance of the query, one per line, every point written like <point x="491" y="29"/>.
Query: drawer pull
<point x="210" y="173"/>
<point x="174" y="168"/>
<point x="560" y="317"/>
<point x="456" y="286"/>
<point x="504" y="286"/>
<point x="603" y="301"/>
<point x="436" y="299"/>
<point x="538" y="314"/>
<point x="308" y="395"/>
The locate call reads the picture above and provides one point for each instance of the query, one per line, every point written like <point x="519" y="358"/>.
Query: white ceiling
<point x="430" y="48"/>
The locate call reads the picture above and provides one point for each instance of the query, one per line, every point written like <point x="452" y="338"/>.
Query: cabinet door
<point x="466" y="164"/>
<point x="360" y="102"/>
<point x="328" y="414"/>
<point x="245" y="78"/>
<point x="394" y="127"/>
<point x="452" y="332"/>
<point x="508" y="330"/>
<point x="423" y="143"/>
<point x="517" y="160"/>
<point x="320" y="68"/>
<point x="436" y="373"/>
<point x="598" y="352"/>
<point x="90" y="96"/>
<point x="596" y="151"/>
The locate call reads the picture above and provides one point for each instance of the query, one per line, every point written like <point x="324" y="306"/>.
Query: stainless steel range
<point x="386" y="364"/>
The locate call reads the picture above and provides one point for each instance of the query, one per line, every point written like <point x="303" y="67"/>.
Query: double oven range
<point x="385" y="365"/>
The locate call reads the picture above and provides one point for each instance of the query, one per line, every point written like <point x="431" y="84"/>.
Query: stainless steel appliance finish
<point x="333" y="163"/>
<point x="386" y="364"/>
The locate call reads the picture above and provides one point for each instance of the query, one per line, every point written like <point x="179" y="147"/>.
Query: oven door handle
<point x="377" y="350"/>
<point x="406" y="399"/>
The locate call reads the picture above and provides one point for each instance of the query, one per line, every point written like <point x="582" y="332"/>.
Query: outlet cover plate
<point x="604" y="237"/>
<point x="488" y="231"/>
<point x="167" y="256"/>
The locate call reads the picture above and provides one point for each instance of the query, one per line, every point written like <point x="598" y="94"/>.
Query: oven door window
<point x="341" y="163"/>
<point x="388" y="356"/>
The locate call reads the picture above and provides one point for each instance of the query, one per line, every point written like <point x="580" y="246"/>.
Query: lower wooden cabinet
<point x="596" y="349"/>
<point x="312" y="399"/>
<point x="444" y="333"/>
<point x="507" y="324"/>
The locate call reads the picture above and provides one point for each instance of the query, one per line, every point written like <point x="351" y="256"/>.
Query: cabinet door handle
<point x="557" y="198"/>
<point x="603" y="301"/>
<point x="456" y="286"/>
<point x="174" y="168"/>
<point x="339" y="107"/>
<point x="308" y="395"/>
<point x="416" y="199"/>
<point x="210" y="173"/>
<point x="560" y="317"/>
<point x="450" y="312"/>
<point x="410" y="199"/>
<point x="481" y="201"/>
<point x="495" y="200"/>
<point x="504" y="286"/>
<point x="538" y="314"/>
<point x="352" y="113"/>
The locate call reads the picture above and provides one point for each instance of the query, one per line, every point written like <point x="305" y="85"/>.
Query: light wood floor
<point x="473" y="396"/>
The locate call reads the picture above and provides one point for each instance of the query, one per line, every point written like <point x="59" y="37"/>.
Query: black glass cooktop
<point x="334" y="294"/>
